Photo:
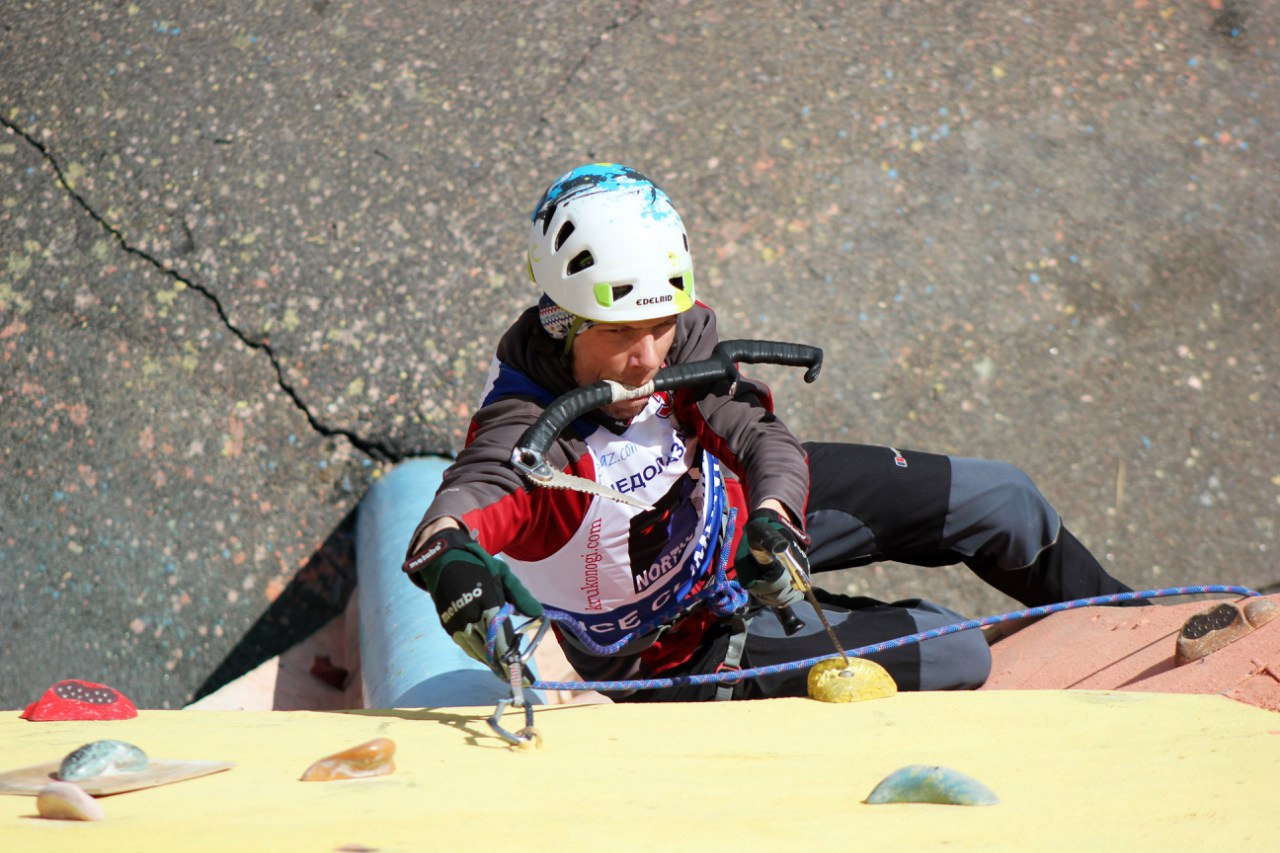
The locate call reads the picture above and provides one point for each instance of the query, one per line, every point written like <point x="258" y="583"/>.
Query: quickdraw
<point x="514" y="663"/>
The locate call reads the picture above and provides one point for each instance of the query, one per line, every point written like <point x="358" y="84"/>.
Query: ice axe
<point x="770" y="546"/>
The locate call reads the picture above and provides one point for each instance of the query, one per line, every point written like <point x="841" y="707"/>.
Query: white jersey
<point x="625" y="570"/>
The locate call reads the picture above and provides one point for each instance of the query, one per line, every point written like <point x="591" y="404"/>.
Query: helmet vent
<point x="563" y="234"/>
<point x="607" y="294"/>
<point x="677" y="281"/>
<point x="685" y="237"/>
<point x="580" y="262"/>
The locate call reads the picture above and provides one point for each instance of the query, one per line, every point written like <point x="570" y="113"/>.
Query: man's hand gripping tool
<point x="768" y="545"/>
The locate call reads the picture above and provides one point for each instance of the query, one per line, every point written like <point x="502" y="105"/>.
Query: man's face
<point x="630" y="353"/>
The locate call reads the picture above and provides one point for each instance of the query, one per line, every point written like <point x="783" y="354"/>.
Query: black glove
<point x="468" y="587"/>
<point x="766" y="579"/>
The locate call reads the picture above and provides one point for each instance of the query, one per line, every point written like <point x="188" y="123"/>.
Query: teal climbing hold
<point x="100" y="758"/>
<point x="919" y="783"/>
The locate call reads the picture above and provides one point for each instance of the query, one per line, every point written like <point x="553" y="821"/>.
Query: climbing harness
<point x="732" y="662"/>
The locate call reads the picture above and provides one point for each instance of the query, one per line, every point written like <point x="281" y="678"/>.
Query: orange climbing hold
<point x="373" y="758"/>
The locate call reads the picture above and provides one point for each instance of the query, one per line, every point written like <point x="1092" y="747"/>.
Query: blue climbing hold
<point x="919" y="783"/>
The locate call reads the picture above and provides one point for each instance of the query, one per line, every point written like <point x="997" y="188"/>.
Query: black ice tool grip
<point x="562" y="411"/>
<point x="726" y="355"/>
<point x="791" y="623"/>
<point x="767" y="546"/>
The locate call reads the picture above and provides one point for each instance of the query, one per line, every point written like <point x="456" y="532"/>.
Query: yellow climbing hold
<point x="530" y="740"/>
<point x="835" y="680"/>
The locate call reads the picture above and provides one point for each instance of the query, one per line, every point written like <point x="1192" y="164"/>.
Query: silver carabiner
<point x="514" y="661"/>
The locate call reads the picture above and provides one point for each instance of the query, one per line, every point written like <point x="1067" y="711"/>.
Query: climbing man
<point x="635" y="593"/>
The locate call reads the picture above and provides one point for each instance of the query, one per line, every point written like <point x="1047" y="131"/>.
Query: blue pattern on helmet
<point x="601" y="177"/>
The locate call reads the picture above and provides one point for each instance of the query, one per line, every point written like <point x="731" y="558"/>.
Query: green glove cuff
<point x="452" y="548"/>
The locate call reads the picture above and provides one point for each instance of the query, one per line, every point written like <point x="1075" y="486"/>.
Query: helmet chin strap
<point x="574" y="328"/>
<point x="560" y="324"/>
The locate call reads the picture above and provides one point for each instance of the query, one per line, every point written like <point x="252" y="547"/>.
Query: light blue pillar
<point x="406" y="659"/>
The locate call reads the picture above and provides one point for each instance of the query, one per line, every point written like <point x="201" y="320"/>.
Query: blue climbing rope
<point x="932" y="633"/>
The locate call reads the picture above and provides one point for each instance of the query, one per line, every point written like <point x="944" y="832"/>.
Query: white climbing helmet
<point x="607" y="245"/>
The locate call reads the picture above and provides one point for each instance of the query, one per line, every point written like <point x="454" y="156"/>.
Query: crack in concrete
<point x="375" y="448"/>
<point x="601" y="39"/>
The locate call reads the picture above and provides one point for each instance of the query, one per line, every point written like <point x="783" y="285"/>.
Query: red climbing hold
<point x="74" y="699"/>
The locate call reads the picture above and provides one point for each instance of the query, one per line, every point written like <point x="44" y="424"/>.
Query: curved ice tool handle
<point x="529" y="454"/>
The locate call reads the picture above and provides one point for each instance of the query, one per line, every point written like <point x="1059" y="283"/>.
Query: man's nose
<point x="644" y="353"/>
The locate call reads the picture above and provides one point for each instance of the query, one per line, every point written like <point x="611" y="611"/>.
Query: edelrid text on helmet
<point x="606" y="244"/>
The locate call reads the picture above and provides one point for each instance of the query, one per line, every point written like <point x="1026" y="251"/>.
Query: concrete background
<point x="253" y="253"/>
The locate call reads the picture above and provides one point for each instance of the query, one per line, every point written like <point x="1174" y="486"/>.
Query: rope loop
<point x="733" y="676"/>
<point x="727" y="599"/>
